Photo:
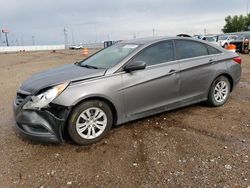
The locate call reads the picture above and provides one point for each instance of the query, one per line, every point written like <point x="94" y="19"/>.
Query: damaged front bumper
<point x="46" y="125"/>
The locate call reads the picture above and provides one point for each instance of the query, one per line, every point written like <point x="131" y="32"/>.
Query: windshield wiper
<point x="90" y="66"/>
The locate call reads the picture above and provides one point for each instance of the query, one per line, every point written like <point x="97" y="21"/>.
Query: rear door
<point x="148" y="91"/>
<point x="196" y="68"/>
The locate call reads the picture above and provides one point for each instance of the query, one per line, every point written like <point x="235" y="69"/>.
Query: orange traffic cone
<point x="85" y="52"/>
<point x="231" y="47"/>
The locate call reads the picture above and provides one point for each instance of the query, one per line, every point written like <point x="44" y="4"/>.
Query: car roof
<point x="149" y="40"/>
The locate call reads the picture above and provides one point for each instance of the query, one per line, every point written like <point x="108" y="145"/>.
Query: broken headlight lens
<point x="43" y="99"/>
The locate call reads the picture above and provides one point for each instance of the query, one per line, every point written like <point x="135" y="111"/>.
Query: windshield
<point x="223" y="37"/>
<point x="240" y="37"/>
<point x="210" y="39"/>
<point x="109" y="57"/>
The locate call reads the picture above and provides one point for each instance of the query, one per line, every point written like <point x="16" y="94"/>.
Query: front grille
<point x="20" y="98"/>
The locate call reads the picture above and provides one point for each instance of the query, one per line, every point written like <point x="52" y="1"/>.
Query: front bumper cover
<point x="46" y="125"/>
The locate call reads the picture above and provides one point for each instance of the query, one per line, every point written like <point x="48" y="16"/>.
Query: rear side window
<point x="188" y="49"/>
<point x="159" y="53"/>
<point x="212" y="50"/>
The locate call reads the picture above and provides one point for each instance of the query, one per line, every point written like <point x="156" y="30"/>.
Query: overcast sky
<point x="99" y="20"/>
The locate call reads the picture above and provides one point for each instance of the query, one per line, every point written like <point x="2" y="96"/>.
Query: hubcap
<point x="221" y="91"/>
<point x="91" y="123"/>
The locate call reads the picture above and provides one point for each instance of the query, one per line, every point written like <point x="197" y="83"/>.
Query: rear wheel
<point x="219" y="92"/>
<point x="90" y="122"/>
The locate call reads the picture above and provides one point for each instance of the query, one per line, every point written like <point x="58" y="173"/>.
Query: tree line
<point x="236" y="23"/>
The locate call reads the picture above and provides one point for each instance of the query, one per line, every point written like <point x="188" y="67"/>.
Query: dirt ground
<point x="196" y="146"/>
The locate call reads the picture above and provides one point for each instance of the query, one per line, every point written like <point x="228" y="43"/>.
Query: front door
<point x="148" y="91"/>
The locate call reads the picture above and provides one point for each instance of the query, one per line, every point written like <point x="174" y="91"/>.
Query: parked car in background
<point x="224" y="40"/>
<point x="76" y="47"/>
<point x="127" y="81"/>
<point x="242" y="44"/>
<point x="198" y="36"/>
<point x="211" y="38"/>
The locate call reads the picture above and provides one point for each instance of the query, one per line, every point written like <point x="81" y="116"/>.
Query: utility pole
<point x="72" y="35"/>
<point x="134" y="35"/>
<point x="96" y="37"/>
<point x="205" y="31"/>
<point x="33" y="40"/>
<point x="153" y="32"/>
<point x="65" y="37"/>
<point x="6" y="36"/>
<point x="1" y="39"/>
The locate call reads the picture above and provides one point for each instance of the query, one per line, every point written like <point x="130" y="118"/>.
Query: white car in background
<point x="211" y="38"/>
<point x="224" y="40"/>
<point x="76" y="47"/>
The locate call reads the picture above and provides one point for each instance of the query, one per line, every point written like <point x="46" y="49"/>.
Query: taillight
<point x="237" y="60"/>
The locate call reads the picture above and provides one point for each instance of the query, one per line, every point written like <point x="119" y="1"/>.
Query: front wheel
<point x="90" y="122"/>
<point x="219" y="92"/>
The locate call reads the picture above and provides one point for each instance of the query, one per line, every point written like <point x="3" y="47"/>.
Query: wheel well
<point x="230" y="80"/>
<point x="110" y="104"/>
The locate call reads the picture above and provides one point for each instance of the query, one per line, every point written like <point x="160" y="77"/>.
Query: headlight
<point x="43" y="99"/>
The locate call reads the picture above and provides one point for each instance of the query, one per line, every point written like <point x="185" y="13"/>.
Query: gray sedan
<point x="127" y="81"/>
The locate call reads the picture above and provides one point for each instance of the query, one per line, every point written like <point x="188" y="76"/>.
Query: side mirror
<point x="137" y="65"/>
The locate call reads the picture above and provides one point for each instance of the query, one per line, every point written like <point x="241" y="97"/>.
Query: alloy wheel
<point x="91" y="123"/>
<point x="221" y="91"/>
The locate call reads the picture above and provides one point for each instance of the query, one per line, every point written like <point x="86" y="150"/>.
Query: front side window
<point x="158" y="53"/>
<point x="189" y="49"/>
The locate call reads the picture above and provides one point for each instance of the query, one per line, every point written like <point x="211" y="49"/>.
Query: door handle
<point x="211" y="61"/>
<point x="173" y="71"/>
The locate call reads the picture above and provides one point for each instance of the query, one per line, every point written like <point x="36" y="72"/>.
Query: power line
<point x="72" y="35"/>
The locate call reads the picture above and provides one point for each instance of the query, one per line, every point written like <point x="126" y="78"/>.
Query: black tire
<point x="211" y="101"/>
<point x="225" y="46"/>
<point x="72" y="129"/>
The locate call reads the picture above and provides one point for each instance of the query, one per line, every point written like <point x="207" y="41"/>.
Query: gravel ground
<point x="196" y="146"/>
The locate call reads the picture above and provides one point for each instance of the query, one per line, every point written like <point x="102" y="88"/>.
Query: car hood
<point x="66" y="73"/>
